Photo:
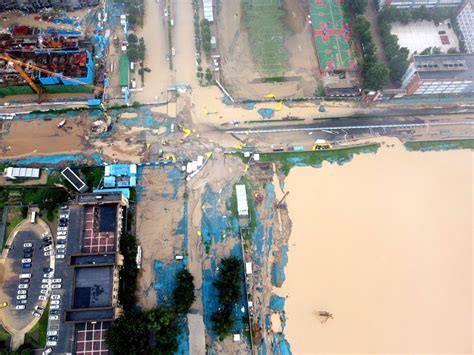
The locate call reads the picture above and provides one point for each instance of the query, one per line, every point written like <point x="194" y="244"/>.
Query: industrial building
<point x="465" y="20"/>
<point x="439" y="74"/>
<point x="74" y="180"/>
<point x="409" y="4"/>
<point x="242" y="204"/>
<point x="90" y="272"/>
<point x="37" y="5"/>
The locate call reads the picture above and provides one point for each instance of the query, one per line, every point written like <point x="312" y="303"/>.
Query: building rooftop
<point x="93" y="287"/>
<point x="451" y="66"/>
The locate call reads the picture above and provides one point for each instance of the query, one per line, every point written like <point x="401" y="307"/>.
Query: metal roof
<point x="30" y="173"/>
<point x="208" y="13"/>
<point x="242" y="205"/>
<point x="445" y="66"/>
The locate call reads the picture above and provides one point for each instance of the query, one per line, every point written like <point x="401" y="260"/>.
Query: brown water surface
<point x="384" y="243"/>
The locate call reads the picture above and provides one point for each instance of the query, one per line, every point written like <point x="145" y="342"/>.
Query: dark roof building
<point x="439" y="74"/>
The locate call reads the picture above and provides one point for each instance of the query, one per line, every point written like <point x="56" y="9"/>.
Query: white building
<point x="242" y="205"/>
<point x="407" y="4"/>
<point x="21" y="173"/>
<point x="465" y="21"/>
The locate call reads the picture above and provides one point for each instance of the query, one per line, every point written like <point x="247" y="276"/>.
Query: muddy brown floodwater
<point x="384" y="243"/>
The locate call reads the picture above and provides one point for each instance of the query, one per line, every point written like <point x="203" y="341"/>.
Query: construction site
<point x="51" y="53"/>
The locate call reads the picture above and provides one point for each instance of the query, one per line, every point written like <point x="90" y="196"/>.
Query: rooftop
<point x="451" y="66"/>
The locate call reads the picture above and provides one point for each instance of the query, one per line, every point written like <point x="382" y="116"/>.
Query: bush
<point x="205" y="36"/>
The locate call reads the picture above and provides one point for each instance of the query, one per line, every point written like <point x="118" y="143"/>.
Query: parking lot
<point x="25" y="256"/>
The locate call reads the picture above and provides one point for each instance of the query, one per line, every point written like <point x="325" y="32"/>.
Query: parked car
<point x="54" y="312"/>
<point x="48" y="248"/>
<point x="60" y="256"/>
<point x="52" y="343"/>
<point x="52" y="332"/>
<point x="44" y="292"/>
<point x="22" y="292"/>
<point x="26" y="261"/>
<point x="48" y="253"/>
<point x="27" y="255"/>
<point x="39" y="308"/>
<point x="23" y="286"/>
<point x="27" y="245"/>
<point x="46" y="239"/>
<point x="55" y="297"/>
<point x="61" y="251"/>
<point x="52" y="338"/>
<point x="57" y="281"/>
<point x="28" y="250"/>
<point x="47" y="244"/>
<point x="55" y="301"/>
<point x="20" y="306"/>
<point x="45" y="286"/>
<point x="62" y="229"/>
<point x="64" y="219"/>
<point x="45" y="281"/>
<point x="54" y="306"/>
<point x="64" y="215"/>
<point x="47" y="351"/>
<point x="26" y="265"/>
<point x="21" y="297"/>
<point x="25" y="281"/>
<point x="62" y="233"/>
<point x="48" y="275"/>
<point x="47" y="269"/>
<point x="61" y="241"/>
<point x="36" y="314"/>
<point x="25" y="276"/>
<point x="56" y="286"/>
<point x="53" y="317"/>
<point x="61" y="237"/>
<point x="22" y="301"/>
<point x="42" y="297"/>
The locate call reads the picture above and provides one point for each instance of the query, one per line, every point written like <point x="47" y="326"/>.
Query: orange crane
<point x="19" y="64"/>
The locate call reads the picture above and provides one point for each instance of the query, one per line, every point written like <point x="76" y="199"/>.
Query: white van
<point x="33" y="218"/>
<point x="25" y="276"/>
<point x="26" y="260"/>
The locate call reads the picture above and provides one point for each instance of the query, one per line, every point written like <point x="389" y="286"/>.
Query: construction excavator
<point x="18" y="64"/>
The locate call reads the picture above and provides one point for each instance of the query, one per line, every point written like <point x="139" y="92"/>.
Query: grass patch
<point x="276" y="79"/>
<point x="440" y="145"/>
<point x="4" y="335"/>
<point x="12" y="224"/>
<point x="37" y="335"/>
<point x="287" y="160"/>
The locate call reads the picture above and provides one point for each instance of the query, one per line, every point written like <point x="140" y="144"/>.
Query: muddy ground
<point x="239" y="73"/>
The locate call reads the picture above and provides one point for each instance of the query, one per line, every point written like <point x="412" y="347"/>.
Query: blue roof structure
<point x="124" y="175"/>
<point x="109" y="181"/>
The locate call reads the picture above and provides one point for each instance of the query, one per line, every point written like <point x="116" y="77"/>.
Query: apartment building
<point x="465" y="20"/>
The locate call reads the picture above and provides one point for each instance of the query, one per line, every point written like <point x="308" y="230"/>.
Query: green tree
<point x="356" y="7"/>
<point x="183" y="294"/>
<point x="141" y="49"/>
<point x="129" y="272"/>
<point x="128" y="333"/>
<point x="208" y="75"/>
<point x="205" y="36"/>
<point x="164" y="327"/>
<point x="222" y="322"/>
<point x="376" y="76"/>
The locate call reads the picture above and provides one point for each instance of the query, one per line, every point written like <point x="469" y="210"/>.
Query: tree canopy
<point x="183" y="294"/>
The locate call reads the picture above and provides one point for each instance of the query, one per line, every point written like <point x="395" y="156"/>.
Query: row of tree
<point x="229" y="290"/>
<point x="374" y="73"/>
<point x="135" y="10"/>
<point x="393" y="14"/>
<point x="206" y="36"/>
<point x="356" y="7"/>
<point x="155" y="331"/>
<point x="136" y="48"/>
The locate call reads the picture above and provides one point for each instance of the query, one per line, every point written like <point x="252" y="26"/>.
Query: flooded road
<point x="384" y="244"/>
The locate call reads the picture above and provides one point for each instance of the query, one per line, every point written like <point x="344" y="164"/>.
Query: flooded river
<point x="384" y="244"/>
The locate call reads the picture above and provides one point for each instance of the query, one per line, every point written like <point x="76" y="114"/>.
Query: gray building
<point x="408" y="4"/>
<point x="439" y="74"/>
<point x="465" y="20"/>
<point x="36" y="5"/>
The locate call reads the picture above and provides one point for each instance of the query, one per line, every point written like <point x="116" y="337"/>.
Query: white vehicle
<point x="54" y="306"/>
<point x="61" y="246"/>
<point x="173" y="51"/>
<point x="27" y="245"/>
<point x="60" y="256"/>
<point x="20" y="306"/>
<point x="22" y="292"/>
<point x="52" y="343"/>
<point x="61" y="237"/>
<point x="56" y="286"/>
<point x="26" y="260"/>
<point x="64" y="215"/>
<point x="46" y="281"/>
<point x="42" y="297"/>
<point x="62" y="229"/>
<point x="25" y="276"/>
<point x="62" y="233"/>
<point x="55" y="301"/>
<point x="21" y="297"/>
<point x="52" y="332"/>
<point x="55" y="297"/>
<point x="33" y="217"/>
<point x="47" y="351"/>
<point x="36" y="314"/>
<point x="44" y="292"/>
<point x="23" y="286"/>
<point x="45" y="286"/>
<point x="48" y="248"/>
<point x="48" y="253"/>
<point x="166" y="12"/>
<point x="48" y="275"/>
<point x="53" y="317"/>
<point x="57" y="281"/>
